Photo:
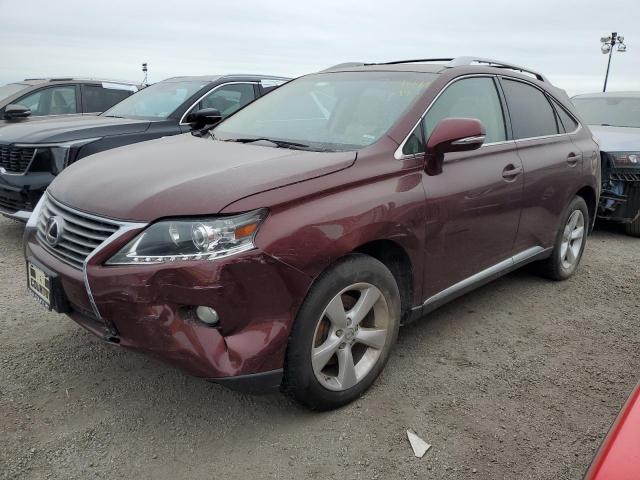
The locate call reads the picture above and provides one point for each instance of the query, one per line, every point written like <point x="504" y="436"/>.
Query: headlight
<point x="192" y="239"/>
<point x="55" y="157"/>
<point x="625" y="159"/>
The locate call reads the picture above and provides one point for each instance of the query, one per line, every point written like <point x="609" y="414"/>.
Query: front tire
<point x="570" y="242"/>
<point x="343" y="333"/>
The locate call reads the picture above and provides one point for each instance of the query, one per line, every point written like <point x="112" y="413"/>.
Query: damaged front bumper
<point x="620" y="197"/>
<point x="151" y="308"/>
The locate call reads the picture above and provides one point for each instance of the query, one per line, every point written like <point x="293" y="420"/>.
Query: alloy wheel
<point x="572" y="239"/>
<point x="349" y="336"/>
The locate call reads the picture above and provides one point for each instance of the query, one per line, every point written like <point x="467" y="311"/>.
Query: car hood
<point x="617" y="139"/>
<point x="185" y="175"/>
<point x="69" y="128"/>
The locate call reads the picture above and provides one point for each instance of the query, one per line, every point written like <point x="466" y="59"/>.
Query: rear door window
<point x="530" y="111"/>
<point x="469" y="98"/>
<point x="59" y="100"/>
<point x="96" y="99"/>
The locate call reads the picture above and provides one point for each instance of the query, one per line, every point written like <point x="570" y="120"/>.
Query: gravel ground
<point x="520" y="379"/>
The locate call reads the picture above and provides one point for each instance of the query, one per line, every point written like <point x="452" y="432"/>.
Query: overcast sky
<point x="111" y="38"/>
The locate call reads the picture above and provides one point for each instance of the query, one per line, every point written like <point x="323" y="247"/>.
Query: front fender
<point x="310" y="231"/>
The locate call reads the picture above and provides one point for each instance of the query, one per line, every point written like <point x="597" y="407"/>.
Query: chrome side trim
<point x="125" y="228"/>
<point x="398" y="155"/>
<point x="182" y="122"/>
<point x="550" y="136"/>
<point x="486" y="274"/>
<point x="469" y="140"/>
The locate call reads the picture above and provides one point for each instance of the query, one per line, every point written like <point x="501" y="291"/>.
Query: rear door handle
<point x="510" y="172"/>
<point x="573" y="158"/>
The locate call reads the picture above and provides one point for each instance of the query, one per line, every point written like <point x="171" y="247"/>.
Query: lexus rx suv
<point x="44" y="98"/>
<point x="284" y="247"/>
<point x="614" y="118"/>
<point x="32" y="154"/>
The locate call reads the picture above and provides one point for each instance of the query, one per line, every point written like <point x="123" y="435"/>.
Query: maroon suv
<point x="285" y="247"/>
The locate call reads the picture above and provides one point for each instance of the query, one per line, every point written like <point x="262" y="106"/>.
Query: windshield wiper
<point x="279" y="143"/>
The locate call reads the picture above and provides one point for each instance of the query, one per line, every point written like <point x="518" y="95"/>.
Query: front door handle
<point x="510" y="172"/>
<point x="573" y="158"/>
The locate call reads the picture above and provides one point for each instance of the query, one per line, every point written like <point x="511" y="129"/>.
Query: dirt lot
<point x="520" y="379"/>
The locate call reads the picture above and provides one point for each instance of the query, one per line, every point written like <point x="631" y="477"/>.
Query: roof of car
<point x="384" y="67"/>
<point x="608" y="94"/>
<point x="435" y="65"/>
<point x="39" y="81"/>
<point x="214" y="78"/>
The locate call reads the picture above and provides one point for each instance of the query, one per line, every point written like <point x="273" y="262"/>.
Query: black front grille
<point x="13" y="203"/>
<point x="16" y="159"/>
<point x="625" y="175"/>
<point x="81" y="233"/>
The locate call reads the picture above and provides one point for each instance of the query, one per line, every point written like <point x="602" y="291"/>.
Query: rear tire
<point x="633" y="228"/>
<point x="571" y="239"/>
<point x="343" y="333"/>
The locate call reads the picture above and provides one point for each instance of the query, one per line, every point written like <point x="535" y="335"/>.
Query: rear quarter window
<point x="567" y="120"/>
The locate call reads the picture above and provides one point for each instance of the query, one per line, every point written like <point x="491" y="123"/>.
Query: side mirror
<point x="16" y="111"/>
<point x="204" y="117"/>
<point x="452" y="135"/>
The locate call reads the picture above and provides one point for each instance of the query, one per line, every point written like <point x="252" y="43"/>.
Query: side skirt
<point x="477" y="280"/>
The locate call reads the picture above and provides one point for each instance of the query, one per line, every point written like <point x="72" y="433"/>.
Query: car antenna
<point x="146" y="75"/>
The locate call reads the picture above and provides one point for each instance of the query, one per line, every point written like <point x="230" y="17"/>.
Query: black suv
<point x="31" y="155"/>
<point x="43" y="98"/>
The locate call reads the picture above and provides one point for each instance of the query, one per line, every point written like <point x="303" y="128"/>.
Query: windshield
<point x="155" y="102"/>
<point x="10" y="89"/>
<point x="610" y="111"/>
<point x="328" y="112"/>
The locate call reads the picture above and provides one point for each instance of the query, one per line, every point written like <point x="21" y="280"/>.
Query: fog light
<point x="207" y="315"/>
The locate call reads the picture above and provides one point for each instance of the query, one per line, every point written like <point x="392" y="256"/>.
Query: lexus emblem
<point x="53" y="230"/>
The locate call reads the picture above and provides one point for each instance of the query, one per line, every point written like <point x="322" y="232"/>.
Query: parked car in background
<point x="284" y="248"/>
<point x="32" y="154"/>
<point x="619" y="455"/>
<point x="43" y="98"/>
<point x="614" y="118"/>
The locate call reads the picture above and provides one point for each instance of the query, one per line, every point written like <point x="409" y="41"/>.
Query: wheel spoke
<point x="573" y="220"/>
<point x="577" y="233"/>
<point x="346" y="368"/>
<point x="563" y="250"/>
<point x="571" y="254"/>
<point x="335" y="312"/>
<point x="365" y="303"/>
<point x="372" y="337"/>
<point x="322" y="354"/>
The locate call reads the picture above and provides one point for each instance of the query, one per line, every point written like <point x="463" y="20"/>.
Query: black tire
<point x="300" y="381"/>
<point x="553" y="267"/>
<point x="633" y="228"/>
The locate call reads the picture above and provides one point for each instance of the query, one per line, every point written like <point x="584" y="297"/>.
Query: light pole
<point x="145" y="70"/>
<point x="607" y="47"/>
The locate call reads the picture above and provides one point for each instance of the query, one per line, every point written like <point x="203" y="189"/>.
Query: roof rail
<point x="81" y="79"/>
<point x="452" y="62"/>
<point x="460" y="61"/>
<point x="419" y="60"/>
